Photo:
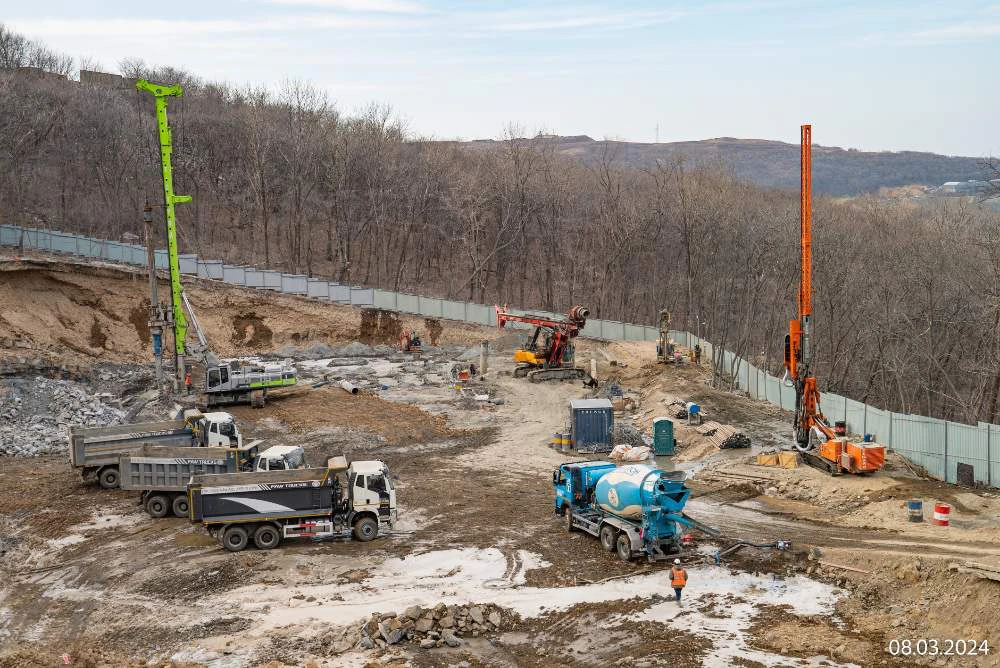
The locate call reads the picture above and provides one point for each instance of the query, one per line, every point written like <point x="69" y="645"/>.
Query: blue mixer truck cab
<point x="634" y="510"/>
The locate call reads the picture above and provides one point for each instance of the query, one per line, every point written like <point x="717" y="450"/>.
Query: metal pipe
<point x="484" y="351"/>
<point x="349" y="386"/>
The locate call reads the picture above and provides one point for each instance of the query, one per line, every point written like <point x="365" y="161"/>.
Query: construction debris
<point x="979" y="570"/>
<point x="627" y="453"/>
<point x="35" y="413"/>
<point x="430" y="627"/>
<point x="622" y="433"/>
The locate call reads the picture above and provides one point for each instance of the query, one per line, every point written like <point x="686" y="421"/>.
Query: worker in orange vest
<point x="678" y="578"/>
<point x="187" y="381"/>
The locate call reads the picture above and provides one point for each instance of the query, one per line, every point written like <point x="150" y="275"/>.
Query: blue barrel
<point x="916" y="509"/>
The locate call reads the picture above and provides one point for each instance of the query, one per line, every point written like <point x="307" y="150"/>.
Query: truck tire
<point x="108" y="478"/>
<point x="366" y="529"/>
<point x="180" y="506"/>
<point x="235" y="539"/>
<point x="568" y="519"/>
<point x="609" y="536"/>
<point x="157" y="505"/>
<point x="266" y="537"/>
<point x="624" y="547"/>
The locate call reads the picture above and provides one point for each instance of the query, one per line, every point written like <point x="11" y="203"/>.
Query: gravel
<point x="35" y="412"/>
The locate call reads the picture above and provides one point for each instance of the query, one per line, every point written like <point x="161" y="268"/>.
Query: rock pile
<point x="430" y="627"/>
<point x="34" y="414"/>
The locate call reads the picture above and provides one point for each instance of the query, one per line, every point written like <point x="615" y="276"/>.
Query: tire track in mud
<point x="737" y="521"/>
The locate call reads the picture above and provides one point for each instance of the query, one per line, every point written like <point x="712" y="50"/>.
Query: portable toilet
<point x="591" y="421"/>
<point x="663" y="436"/>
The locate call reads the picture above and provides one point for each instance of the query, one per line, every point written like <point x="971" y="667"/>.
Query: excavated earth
<point x="89" y="579"/>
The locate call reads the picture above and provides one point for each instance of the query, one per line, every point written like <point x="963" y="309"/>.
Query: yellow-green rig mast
<point x="161" y="94"/>
<point x="233" y="381"/>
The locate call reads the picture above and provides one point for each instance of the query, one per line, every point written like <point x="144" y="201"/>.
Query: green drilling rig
<point x="225" y="381"/>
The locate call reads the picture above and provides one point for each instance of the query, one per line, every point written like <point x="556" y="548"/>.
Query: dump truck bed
<point x="100" y="446"/>
<point x="169" y="468"/>
<point x="267" y="495"/>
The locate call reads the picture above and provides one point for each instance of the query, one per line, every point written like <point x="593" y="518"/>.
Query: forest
<point x="907" y="296"/>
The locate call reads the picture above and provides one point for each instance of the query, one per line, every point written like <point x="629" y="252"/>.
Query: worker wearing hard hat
<point x="678" y="578"/>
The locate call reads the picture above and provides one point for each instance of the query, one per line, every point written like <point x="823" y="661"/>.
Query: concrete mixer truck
<point x="635" y="510"/>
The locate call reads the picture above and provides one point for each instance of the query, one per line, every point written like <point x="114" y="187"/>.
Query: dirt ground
<point x="85" y="573"/>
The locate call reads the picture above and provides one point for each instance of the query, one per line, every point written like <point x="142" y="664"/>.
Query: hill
<point x="775" y="164"/>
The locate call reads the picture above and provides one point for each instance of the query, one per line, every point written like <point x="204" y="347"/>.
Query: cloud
<point x="374" y="6"/>
<point x="959" y="32"/>
<point x="517" y="21"/>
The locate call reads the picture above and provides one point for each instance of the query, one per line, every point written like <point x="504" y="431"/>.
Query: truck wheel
<point x="180" y="506"/>
<point x="157" y="505"/>
<point x="624" y="547"/>
<point x="568" y="519"/>
<point x="108" y="478"/>
<point x="266" y="537"/>
<point x="365" y="529"/>
<point x="608" y="535"/>
<point x="235" y="539"/>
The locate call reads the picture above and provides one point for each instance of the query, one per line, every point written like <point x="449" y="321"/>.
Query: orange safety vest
<point x="187" y="378"/>
<point x="679" y="577"/>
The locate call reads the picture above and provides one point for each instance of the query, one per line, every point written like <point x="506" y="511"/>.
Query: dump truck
<point x="161" y="473"/>
<point x="96" y="451"/>
<point x="635" y="510"/>
<point x="267" y="507"/>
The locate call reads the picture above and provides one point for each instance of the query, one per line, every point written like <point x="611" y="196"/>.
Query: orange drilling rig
<point x="548" y="355"/>
<point x="814" y="438"/>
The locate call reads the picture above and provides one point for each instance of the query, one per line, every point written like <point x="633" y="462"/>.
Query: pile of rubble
<point x="34" y="414"/>
<point x="430" y="627"/>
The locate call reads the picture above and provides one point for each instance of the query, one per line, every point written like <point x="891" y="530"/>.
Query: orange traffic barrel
<point x="942" y="511"/>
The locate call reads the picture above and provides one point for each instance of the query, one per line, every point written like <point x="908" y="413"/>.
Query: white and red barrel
<point x="942" y="513"/>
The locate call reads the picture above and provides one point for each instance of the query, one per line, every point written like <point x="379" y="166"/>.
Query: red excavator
<point x="548" y="355"/>
<point x="819" y="445"/>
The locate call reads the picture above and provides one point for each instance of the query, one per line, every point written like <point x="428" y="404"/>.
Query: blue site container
<point x="591" y="421"/>
<point x="663" y="436"/>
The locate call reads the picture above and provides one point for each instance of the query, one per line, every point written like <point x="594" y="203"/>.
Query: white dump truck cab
<point x="280" y="458"/>
<point x="370" y="492"/>
<point x="214" y="429"/>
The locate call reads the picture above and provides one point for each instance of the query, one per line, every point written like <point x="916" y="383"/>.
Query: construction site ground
<point x="87" y="574"/>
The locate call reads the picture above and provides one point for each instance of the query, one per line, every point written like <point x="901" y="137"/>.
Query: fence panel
<point x="855" y="417"/>
<point x="429" y="306"/>
<point x="294" y="284"/>
<point x="787" y="396"/>
<point x="233" y="274"/>
<point x="407" y="303"/>
<point x="340" y="293"/>
<point x="967" y="445"/>
<point x="651" y="333"/>
<point x="10" y="235"/>
<point x="318" y="288"/>
<point x="483" y="315"/>
<point x="272" y="279"/>
<point x="385" y="299"/>
<point x="921" y="440"/>
<point x="993" y="445"/>
<point x="453" y="310"/>
<point x="634" y="332"/>
<point x="613" y="330"/>
<point x="163" y="260"/>
<point x="878" y="423"/>
<point x="772" y="390"/>
<point x="254" y="278"/>
<point x="833" y="406"/>
<point x="362" y="296"/>
<point x="188" y="264"/>
<point x="594" y="329"/>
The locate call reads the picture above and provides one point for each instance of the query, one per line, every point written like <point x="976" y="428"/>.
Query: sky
<point x="908" y="75"/>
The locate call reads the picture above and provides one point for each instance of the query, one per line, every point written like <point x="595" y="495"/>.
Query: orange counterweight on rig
<point x="814" y="437"/>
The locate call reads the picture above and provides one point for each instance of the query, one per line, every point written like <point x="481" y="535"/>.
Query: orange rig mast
<point x="819" y="444"/>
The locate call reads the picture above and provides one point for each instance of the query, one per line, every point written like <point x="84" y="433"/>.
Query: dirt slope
<point x="76" y="315"/>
